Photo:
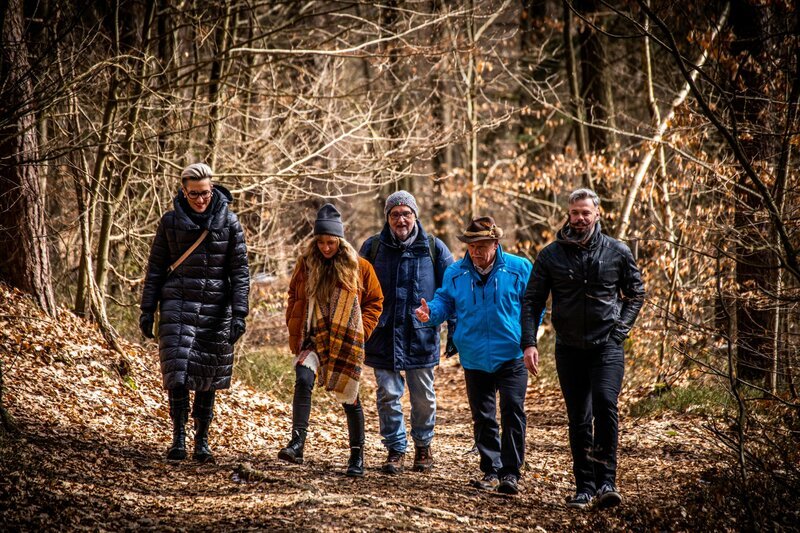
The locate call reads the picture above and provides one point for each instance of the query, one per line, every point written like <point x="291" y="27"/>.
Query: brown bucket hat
<point x="481" y="229"/>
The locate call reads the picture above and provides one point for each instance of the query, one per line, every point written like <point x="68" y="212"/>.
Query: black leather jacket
<point x="597" y="291"/>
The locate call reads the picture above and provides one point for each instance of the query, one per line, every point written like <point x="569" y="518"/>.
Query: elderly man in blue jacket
<point x="410" y="265"/>
<point x="485" y="290"/>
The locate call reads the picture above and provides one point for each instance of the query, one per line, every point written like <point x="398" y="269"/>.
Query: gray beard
<point x="412" y="236"/>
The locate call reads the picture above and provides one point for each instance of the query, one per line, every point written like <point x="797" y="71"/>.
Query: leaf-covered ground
<point x="93" y="428"/>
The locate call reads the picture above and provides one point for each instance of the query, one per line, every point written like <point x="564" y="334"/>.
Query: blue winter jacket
<point x="400" y="341"/>
<point x="489" y="328"/>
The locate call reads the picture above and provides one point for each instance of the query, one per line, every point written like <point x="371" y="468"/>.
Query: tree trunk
<point x="598" y="101"/>
<point x="756" y="265"/>
<point x="215" y="80"/>
<point x="116" y="185"/>
<point x="576" y="102"/>
<point x="661" y="125"/>
<point x="596" y="85"/>
<point x="23" y="234"/>
<point x="532" y="17"/>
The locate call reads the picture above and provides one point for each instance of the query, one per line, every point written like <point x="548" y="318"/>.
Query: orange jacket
<point x="370" y="299"/>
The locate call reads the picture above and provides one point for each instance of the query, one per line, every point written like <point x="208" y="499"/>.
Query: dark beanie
<point x="329" y="222"/>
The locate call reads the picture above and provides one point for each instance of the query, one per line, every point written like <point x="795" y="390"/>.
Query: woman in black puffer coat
<point x="203" y="302"/>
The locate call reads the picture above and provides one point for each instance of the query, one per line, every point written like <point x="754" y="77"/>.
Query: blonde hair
<point x="325" y="274"/>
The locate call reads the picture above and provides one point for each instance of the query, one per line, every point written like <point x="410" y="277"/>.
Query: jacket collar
<point x="594" y="240"/>
<point x="420" y="243"/>
<point x="499" y="261"/>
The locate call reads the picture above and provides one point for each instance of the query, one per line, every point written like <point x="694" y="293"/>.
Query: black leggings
<point x="301" y="403"/>
<point x="203" y="408"/>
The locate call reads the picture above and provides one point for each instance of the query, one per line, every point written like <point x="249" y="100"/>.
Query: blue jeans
<point x="591" y="381"/>
<point x="391" y="387"/>
<point x="501" y="453"/>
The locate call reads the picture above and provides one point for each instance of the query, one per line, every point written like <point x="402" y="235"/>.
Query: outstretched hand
<point x="423" y="312"/>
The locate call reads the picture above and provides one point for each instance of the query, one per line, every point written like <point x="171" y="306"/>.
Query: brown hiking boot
<point x="423" y="458"/>
<point x="394" y="462"/>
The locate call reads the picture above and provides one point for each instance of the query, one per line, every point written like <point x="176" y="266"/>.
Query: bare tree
<point x="23" y="234"/>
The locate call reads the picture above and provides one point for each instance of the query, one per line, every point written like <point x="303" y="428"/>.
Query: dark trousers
<point x="203" y="408"/>
<point x="301" y="403"/>
<point x="500" y="454"/>
<point x="590" y="382"/>
<point x="301" y="406"/>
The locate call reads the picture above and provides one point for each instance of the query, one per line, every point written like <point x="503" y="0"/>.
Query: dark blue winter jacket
<point x="406" y="274"/>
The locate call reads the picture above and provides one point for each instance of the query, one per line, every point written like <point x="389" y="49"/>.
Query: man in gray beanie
<point x="408" y="263"/>
<point x="198" y="278"/>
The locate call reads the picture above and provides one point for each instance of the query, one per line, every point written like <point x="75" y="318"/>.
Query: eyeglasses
<point x="194" y="195"/>
<point x="408" y="215"/>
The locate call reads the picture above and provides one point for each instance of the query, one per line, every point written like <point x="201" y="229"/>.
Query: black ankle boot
<point x="293" y="452"/>
<point x="355" y="429"/>
<point x="202" y="453"/>
<point x="177" y="452"/>
<point x="355" y="465"/>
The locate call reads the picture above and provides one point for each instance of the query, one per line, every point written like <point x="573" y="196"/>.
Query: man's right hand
<point x="531" y="358"/>
<point x="146" y="322"/>
<point x="423" y="312"/>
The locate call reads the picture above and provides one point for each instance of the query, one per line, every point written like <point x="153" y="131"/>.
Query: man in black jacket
<point x="597" y="293"/>
<point x="198" y="277"/>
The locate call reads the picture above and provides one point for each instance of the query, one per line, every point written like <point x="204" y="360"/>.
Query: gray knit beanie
<point x="196" y="171"/>
<point x="400" y="198"/>
<point x="329" y="221"/>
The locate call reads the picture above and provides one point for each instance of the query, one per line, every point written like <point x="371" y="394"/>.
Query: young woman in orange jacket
<point x="335" y="301"/>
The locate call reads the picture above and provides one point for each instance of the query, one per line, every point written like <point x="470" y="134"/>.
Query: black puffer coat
<point x="199" y="298"/>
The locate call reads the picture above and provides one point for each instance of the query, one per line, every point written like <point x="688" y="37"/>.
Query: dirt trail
<point x="90" y="455"/>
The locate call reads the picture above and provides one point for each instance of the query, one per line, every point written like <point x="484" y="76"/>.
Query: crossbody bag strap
<point x="188" y="252"/>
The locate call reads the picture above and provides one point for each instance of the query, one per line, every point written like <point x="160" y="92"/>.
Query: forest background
<point x="681" y="115"/>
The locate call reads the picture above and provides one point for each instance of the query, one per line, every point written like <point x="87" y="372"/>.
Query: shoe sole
<point x="505" y="488"/>
<point x="204" y="459"/>
<point x="578" y="505"/>
<point x="392" y="470"/>
<point x="423" y="468"/>
<point x="608" y="500"/>
<point x="480" y="485"/>
<point x="352" y="474"/>
<point x="290" y="459"/>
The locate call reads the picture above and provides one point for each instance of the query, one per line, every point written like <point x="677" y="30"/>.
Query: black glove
<point x="237" y="329"/>
<point x="146" y="322"/>
<point x="450" y="349"/>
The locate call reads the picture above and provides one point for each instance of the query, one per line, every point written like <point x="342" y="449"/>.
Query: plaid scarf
<point x="339" y="343"/>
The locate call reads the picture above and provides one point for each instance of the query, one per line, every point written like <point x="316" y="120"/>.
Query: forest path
<point x="106" y="474"/>
<point x="93" y="430"/>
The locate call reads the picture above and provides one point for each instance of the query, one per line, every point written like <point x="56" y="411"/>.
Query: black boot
<point x="355" y="429"/>
<point x="177" y="452"/>
<point x="301" y="411"/>
<point x="293" y="452"/>
<point x="355" y="465"/>
<point x="202" y="453"/>
<point x="179" y="413"/>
